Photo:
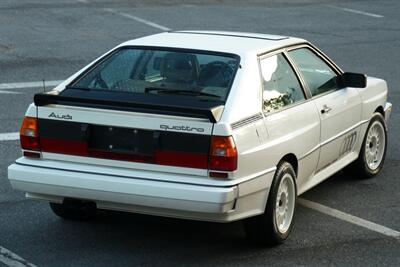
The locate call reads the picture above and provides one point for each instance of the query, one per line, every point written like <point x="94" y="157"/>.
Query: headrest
<point x="179" y="67"/>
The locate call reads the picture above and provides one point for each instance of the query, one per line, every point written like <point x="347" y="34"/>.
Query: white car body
<point x="317" y="145"/>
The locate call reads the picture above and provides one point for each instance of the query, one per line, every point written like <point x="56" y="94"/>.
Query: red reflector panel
<point x="71" y="147"/>
<point x="223" y="154"/>
<point x="120" y="156"/>
<point x="171" y="158"/>
<point x="182" y="159"/>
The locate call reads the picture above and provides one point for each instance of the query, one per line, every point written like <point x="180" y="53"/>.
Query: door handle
<point x="325" y="109"/>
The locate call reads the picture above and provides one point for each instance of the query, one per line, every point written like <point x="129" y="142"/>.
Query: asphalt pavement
<point x="51" y="39"/>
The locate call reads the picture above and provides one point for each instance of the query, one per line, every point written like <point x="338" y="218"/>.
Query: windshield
<point x="188" y="73"/>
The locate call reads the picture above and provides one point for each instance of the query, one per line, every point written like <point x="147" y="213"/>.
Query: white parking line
<point x="8" y="86"/>
<point x="11" y="93"/>
<point x="9" y="136"/>
<point x="349" y="218"/>
<point x="147" y="22"/>
<point x="356" y="11"/>
<point x="13" y="260"/>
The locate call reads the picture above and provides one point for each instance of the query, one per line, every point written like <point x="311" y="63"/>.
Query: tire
<point x="264" y="229"/>
<point x="75" y="210"/>
<point x="375" y="140"/>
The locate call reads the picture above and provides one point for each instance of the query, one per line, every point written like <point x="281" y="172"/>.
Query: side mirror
<point x="349" y="79"/>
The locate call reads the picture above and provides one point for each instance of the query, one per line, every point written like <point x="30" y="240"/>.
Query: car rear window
<point x="189" y="73"/>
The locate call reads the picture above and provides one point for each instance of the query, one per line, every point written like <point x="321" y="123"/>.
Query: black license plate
<point x="122" y="140"/>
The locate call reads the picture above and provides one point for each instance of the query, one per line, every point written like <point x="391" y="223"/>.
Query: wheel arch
<point x="373" y="97"/>
<point x="380" y="110"/>
<point x="292" y="159"/>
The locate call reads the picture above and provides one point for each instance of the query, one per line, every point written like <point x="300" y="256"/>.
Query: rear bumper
<point x="200" y="202"/>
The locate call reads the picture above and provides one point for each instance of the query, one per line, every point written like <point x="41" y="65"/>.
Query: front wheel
<point x="274" y="226"/>
<point x="373" y="150"/>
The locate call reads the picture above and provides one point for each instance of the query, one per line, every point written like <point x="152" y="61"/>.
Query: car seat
<point x="180" y="68"/>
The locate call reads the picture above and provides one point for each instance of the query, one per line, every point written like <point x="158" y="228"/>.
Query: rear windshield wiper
<point x="178" y="92"/>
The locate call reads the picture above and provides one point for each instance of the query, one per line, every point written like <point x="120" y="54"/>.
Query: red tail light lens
<point x="223" y="154"/>
<point x="182" y="159"/>
<point x="29" y="136"/>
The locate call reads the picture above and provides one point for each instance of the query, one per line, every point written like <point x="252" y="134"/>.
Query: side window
<point x="280" y="84"/>
<point x="319" y="77"/>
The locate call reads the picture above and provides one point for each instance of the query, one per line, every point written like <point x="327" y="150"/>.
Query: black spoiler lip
<point x="210" y="111"/>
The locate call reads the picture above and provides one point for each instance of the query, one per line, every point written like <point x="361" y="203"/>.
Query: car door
<point x="339" y="108"/>
<point x="291" y="120"/>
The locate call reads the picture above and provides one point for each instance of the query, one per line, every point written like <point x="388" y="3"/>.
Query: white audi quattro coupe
<point x="213" y="126"/>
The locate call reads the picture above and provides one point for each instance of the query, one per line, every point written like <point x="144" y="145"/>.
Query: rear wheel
<point x="373" y="150"/>
<point x="274" y="226"/>
<point x="75" y="210"/>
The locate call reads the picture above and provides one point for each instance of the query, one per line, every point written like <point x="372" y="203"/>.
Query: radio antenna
<point x="44" y="86"/>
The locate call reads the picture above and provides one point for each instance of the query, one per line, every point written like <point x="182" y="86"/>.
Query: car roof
<point x="220" y="41"/>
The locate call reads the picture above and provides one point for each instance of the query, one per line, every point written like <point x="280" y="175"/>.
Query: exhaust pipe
<point x="80" y="209"/>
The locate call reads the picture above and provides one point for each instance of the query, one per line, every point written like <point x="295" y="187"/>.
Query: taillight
<point x="29" y="136"/>
<point x="223" y="154"/>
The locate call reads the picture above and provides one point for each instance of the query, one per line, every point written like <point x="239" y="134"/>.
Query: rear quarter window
<point x="281" y="87"/>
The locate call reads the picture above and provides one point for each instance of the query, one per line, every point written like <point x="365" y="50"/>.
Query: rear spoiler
<point x="168" y="105"/>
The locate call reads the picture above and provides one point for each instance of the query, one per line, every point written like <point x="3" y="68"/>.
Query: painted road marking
<point x="8" y="86"/>
<point x="9" y="136"/>
<point x="356" y="11"/>
<point x="147" y="22"/>
<point x="349" y="218"/>
<point x="13" y="260"/>
<point x="11" y="93"/>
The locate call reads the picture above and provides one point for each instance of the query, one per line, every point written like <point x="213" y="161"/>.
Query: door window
<point x="318" y="75"/>
<point x="281" y="87"/>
